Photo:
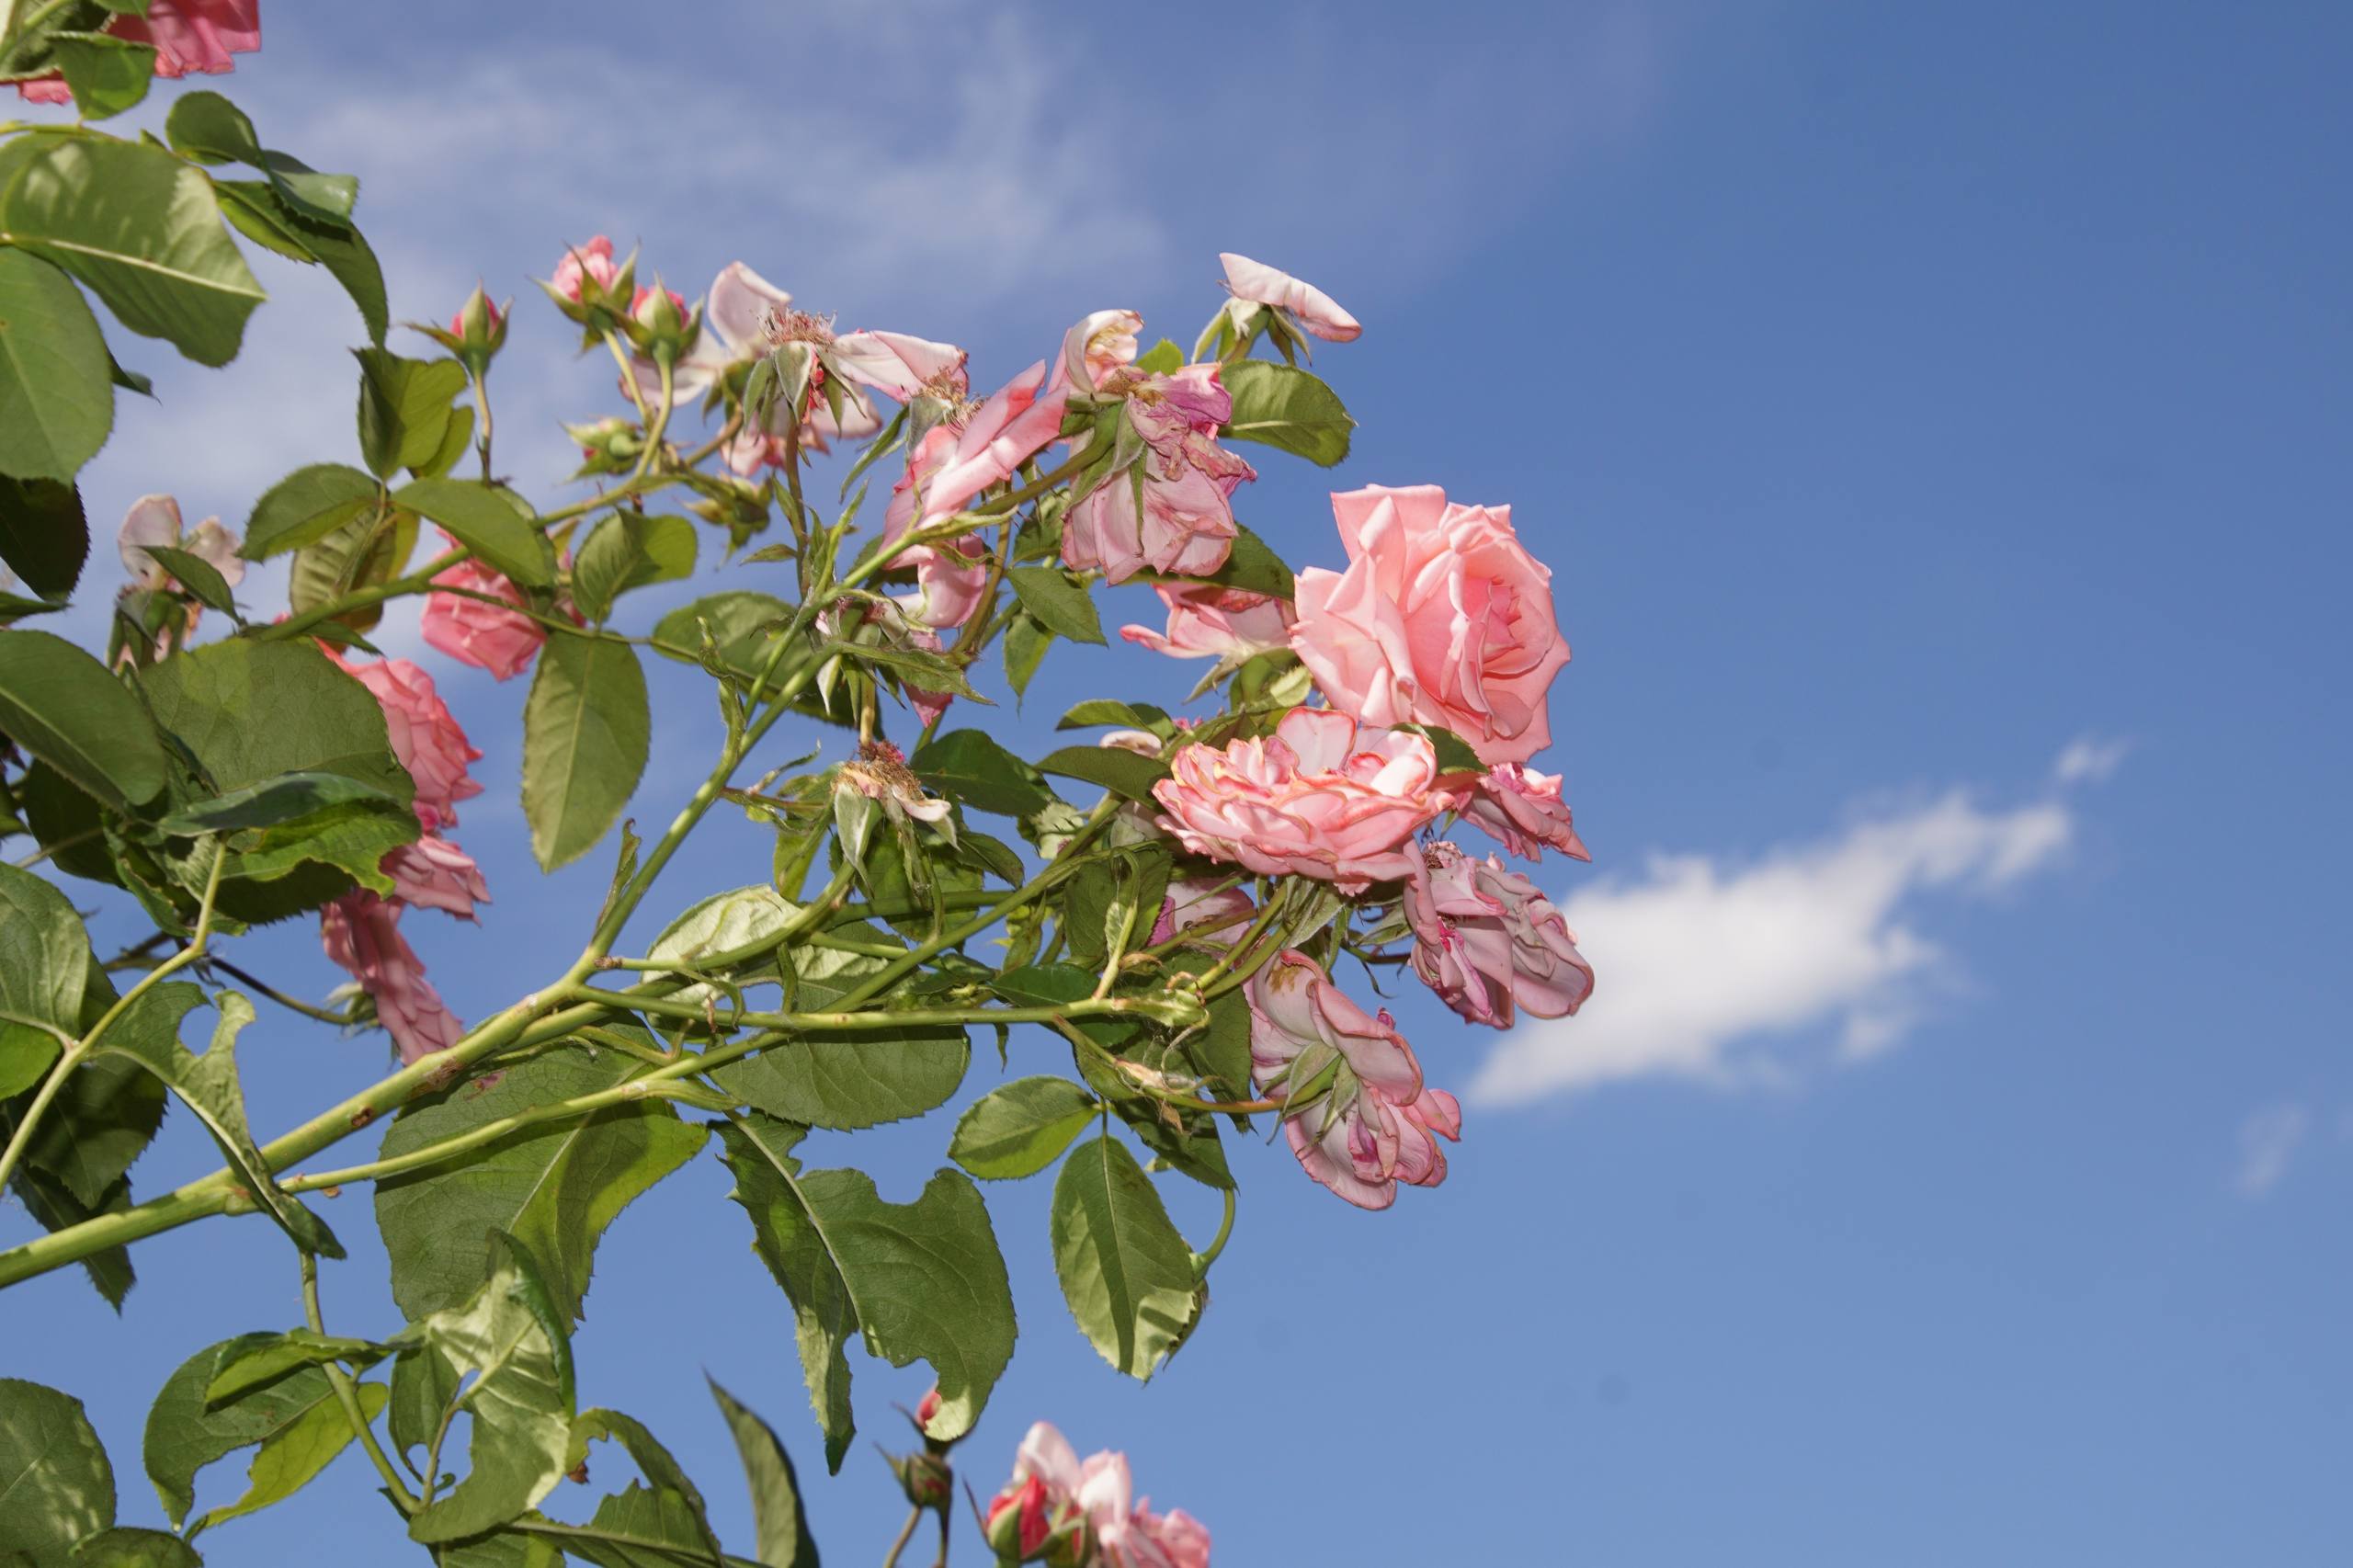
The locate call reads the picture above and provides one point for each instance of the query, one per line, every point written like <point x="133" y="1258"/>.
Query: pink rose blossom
<point x="189" y="35"/>
<point x="1053" y="1495"/>
<point x="1321" y="797"/>
<point x="434" y="874"/>
<point x="1128" y="1534"/>
<point x="424" y="736"/>
<point x="645" y="296"/>
<point x="1178" y="416"/>
<point x="1257" y="283"/>
<point x="155" y="519"/>
<point x="1196" y="906"/>
<point x="1441" y="617"/>
<point x="900" y="367"/>
<point x="492" y="319"/>
<point x="1207" y="622"/>
<point x="753" y="449"/>
<point x="1372" y="1127"/>
<point x="361" y="933"/>
<point x="591" y="261"/>
<point x="1100" y="344"/>
<point x="500" y="640"/>
<point x="1523" y="810"/>
<point x="954" y="463"/>
<point x="1183" y="527"/>
<point x="1490" y="944"/>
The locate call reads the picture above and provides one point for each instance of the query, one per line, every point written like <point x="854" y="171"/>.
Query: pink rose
<point x="1054" y="1501"/>
<point x="434" y="874"/>
<point x="424" y="736"/>
<point x="1257" y="283"/>
<point x="1178" y="416"/>
<point x="1183" y="525"/>
<point x="653" y="318"/>
<point x="1490" y="944"/>
<point x="1371" y="1127"/>
<point x="901" y="367"/>
<point x="1207" y="622"/>
<point x="1523" y="810"/>
<point x="361" y="933"/>
<point x="753" y="449"/>
<point x="1100" y="344"/>
<point x="1128" y="1534"/>
<point x="188" y="36"/>
<point x="500" y="640"/>
<point x="1321" y="798"/>
<point x="592" y="261"/>
<point x="954" y="463"/>
<point x="155" y="519"/>
<point x="1441" y="617"/>
<point x="1198" y="906"/>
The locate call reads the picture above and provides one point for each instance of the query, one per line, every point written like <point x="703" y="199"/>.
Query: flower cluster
<point x="1068" y="1514"/>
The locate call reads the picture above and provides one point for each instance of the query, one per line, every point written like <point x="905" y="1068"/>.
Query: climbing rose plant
<point x="1191" y="907"/>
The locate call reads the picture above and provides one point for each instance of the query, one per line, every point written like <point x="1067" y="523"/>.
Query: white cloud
<point x="2269" y="1139"/>
<point x="2090" y="759"/>
<point x="1733" y="973"/>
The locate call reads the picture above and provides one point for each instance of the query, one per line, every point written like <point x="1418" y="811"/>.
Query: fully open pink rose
<point x="434" y="874"/>
<point x="1215" y="623"/>
<point x="1372" y="1125"/>
<point x="1523" y="810"/>
<point x="1183" y="525"/>
<point x="592" y="261"/>
<point x="1320" y="797"/>
<point x="362" y="934"/>
<point x="1490" y="944"/>
<point x="189" y="35"/>
<point x="1314" y="311"/>
<point x="503" y="641"/>
<point x="424" y="737"/>
<point x="1441" y="617"/>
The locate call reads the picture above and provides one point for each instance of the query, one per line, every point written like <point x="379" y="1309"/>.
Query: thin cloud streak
<point x="2269" y="1141"/>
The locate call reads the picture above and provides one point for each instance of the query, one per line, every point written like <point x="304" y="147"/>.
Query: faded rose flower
<point x="1178" y="416"/>
<point x="1490" y="944"/>
<point x="434" y="874"/>
<point x="1100" y="344"/>
<point x="190" y="36"/>
<point x="1206" y="621"/>
<point x="424" y="736"/>
<point x="361" y="933"/>
<point x="156" y="520"/>
<point x="900" y="367"/>
<point x="503" y="641"/>
<point x="1253" y="282"/>
<point x="1321" y="797"/>
<point x="952" y="465"/>
<point x="1441" y="617"/>
<point x="1182" y="525"/>
<point x="1128" y="1534"/>
<point x="1199" y="906"/>
<point x="1523" y="810"/>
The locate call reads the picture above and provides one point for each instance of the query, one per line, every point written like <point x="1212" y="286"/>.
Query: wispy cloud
<point x="2269" y="1139"/>
<point x="1737" y="972"/>
<point x="2090" y="759"/>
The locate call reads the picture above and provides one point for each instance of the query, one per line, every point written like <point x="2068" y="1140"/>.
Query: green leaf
<point x="209" y="128"/>
<point x="208" y="1085"/>
<point x="626" y="551"/>
<point x="63" y="706"/>
<point x="683" y="1521"/>
<point x="1454" y="753"/>
<point x="970" y="767"/>
<point x="1058" y="604"/>
<point x="781" y="1538"/>
<point x="922" y="1280"/>
<point x="44" y="539"/>
<point x="508" y="1347"/>
<point x="263" y="216"/>
<point x="1163" y="358"/>
<point x="365" y="552"/>
<point x="106" y="74"/>
<point x="55" y="1484"/>
<point x="404" y="408"/>
<point x="1286" y="407"/>
<point x="306" y="506"/>
<point x="56" y="396"/>
<point x="1106" y="711"/>
<point x="1129" y="774"/>
<point x="1125" y="1271"/>
<point x="643" y="1527"/>
<point x="554" y="1187"/>
<point x="199" y="576"/>
<point x="1019" y="1130"/>
<point x="44" y="966"/>
<point x="485" y="522"/>
<point x="911" y="665"/>
<point x="126" y="1546"/>
<point x="850" y="1078"/>
<point x="184" y="1434"/>
<point x="55" y="1208"/>
<point x="1252" y="566"/>
<point x="742" y="625"/>
<point x="291" y="1457"/>
<point x="106" y="1114"/>
<point x="724" y="923"/>
<point x="144" y="230"/>
<point x="586" y="735"/>
<point x="277" y="1355"/>
<point x="1026" y="642"/>
<point x="286" y="797"/>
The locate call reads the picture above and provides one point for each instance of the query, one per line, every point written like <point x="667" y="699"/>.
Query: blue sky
<point x="1935" y="417"/>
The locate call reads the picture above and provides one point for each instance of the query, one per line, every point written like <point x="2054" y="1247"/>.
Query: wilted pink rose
<point x="1178" y="416"/>
<point x="1316" y="311"/>
<point x="1207" y="622"/>
<point x="1200" y="907"/>
<point x="424" y="736"/>
<point x="1371" y="1127"/>
<point x="593" y="260"/>
<point x="901" y="367"/>
<point x="1523" y="809"/>
<point x="753" y="449"/>
<point x="1320" y="797"/>
<point x="952" y="465"/>
<point x="1185" y="525"/>
<point x="188" y="36"/>
<point x="361" y="933"/>
<point x="155" y="519"/>
<point x="503" y="641"/>
<point x="434" y="874"/>
<point x="1441" y="617"/>
<point x="1128" y="1534"/>
<point x="1490" y="944"/>
<point x="1100" y="344"/>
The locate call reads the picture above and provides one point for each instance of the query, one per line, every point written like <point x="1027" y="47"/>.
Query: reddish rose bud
<point x="478" y="331"/>
<point x="926" y="1478"/>
<point x="928" y="1408"/>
